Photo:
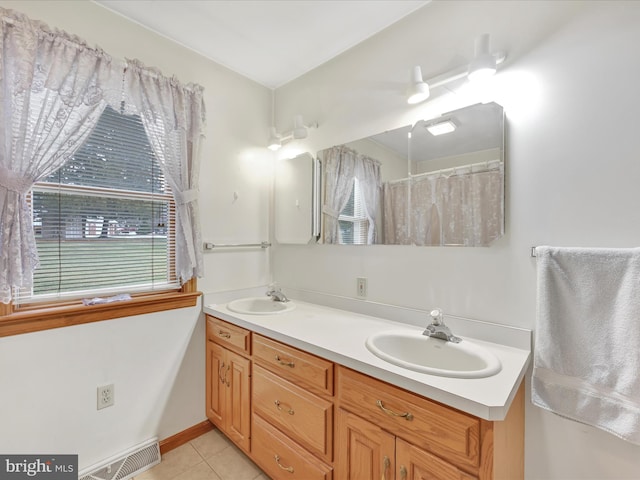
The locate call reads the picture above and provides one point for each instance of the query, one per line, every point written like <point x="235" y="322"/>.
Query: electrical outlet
<point x="361" y="287"/>
<point x="106" y="396"/>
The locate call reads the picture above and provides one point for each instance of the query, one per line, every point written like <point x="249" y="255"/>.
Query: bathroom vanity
<point x="303" y="397"/>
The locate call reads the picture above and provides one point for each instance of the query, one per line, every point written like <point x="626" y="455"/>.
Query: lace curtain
<point x="367" y="172"/>
<point x="396" y="209"/>
<point x="462" y="208"/>
<point x="341" y="166"/>
<point x="53" y="88"/>
<point x="52" y="92"/>
<point x="173" y="117"/>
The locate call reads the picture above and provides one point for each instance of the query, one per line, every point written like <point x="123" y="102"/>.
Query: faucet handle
<point x="436" y="316"/>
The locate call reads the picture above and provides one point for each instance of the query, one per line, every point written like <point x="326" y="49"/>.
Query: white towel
<point x="586" y="363"/>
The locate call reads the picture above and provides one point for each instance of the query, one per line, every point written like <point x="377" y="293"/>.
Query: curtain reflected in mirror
<point x="409" y="186"/>
<point x="352" y="196"/>
<point x="460" y="207"/>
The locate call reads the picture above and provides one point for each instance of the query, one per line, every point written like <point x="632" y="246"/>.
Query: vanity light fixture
<point x="441" y="128"/>
<point x="274" y="140"/>
<point x="300" y="131"/>
<point x="483" y="65"/>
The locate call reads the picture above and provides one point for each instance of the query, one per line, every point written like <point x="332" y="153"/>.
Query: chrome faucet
<point x="437" y="328"/>
<point x="276" y="295"/>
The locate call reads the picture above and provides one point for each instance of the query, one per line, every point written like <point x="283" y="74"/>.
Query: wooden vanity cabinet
<point x="280" y="405"/>
<point x="366" y="451"/>
<point x="292" y="412"/>
<point x="228" y="380"/>
<point x="386" y="432"/>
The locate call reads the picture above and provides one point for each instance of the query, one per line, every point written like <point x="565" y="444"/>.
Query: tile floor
<point x="208" y="457"/>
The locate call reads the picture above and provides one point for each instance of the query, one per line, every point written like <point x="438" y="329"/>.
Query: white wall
<point x="569" y="88"/>
<point x="435" y="164"/>
<point x="571" y="180"/>
<point x="48" y="379"/>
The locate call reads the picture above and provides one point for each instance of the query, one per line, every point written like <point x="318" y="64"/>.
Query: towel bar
<point x="211" y="246"/>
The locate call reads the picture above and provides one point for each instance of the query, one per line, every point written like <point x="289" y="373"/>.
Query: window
<point x="104" y="222"/>
<point x="353" y="221"/>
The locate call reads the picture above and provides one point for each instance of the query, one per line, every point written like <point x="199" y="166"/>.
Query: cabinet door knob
<point x="286" y="363"/>
<point x="403" y="473"/>
<point x="386" y="463"/>
<point x="406" y="415"/>
<point x="287" y="469"/>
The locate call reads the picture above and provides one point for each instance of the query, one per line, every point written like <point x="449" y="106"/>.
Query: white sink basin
<point x="417" y="352"/>
<point x="259" y="306"/>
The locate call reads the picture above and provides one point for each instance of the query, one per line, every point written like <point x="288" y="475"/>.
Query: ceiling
<point x="269" y="41"/>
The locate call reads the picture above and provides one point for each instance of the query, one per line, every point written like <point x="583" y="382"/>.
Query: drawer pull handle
<point x="406" y="415"/>
<point x="286" y="363"/>
<point x="289" y="410"/>
<point x="223" y="334"/>
<point x="287" y="469"/>
<point x="221" y="373"/>
<point x="386" y="463"/>
<point x="403" y="473"/>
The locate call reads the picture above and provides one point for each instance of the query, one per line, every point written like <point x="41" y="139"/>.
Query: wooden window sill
<point x="34" y="320"/>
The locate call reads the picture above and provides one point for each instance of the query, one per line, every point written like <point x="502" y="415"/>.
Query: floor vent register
<point x="125" y="465"/>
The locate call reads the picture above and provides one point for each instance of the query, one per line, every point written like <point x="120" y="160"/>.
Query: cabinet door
<point x="364" y="451"/>
<point x="237" y="380"/>
<point x="413" y="463"/>
<point x="216" y="388"/>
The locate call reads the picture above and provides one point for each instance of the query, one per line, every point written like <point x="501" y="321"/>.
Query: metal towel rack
<point x="211" y="246"/>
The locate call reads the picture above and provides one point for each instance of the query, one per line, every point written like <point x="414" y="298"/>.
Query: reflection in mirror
<point x="297" y="200"/>
<point x="412" y="186"/>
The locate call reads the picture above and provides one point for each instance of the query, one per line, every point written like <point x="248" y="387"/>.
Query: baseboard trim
<point x="180" y="438"/>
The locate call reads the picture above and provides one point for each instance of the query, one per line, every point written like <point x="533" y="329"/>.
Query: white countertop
<point x="339" y="336"/>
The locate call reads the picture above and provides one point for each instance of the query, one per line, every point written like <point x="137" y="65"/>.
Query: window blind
<point x="353" y="222"/>
<point x="105" y="221"/>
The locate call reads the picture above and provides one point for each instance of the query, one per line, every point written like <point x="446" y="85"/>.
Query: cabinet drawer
<point x="304" y="417"/>
<point x="446" y="432"/>
<point x="228" y="335"/>
<point x="282" y="458"/>
<point x="293" y="364"/>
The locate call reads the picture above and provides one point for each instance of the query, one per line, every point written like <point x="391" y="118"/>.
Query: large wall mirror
<point x="438" y="182"/>
<point x="297" y="201"/>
